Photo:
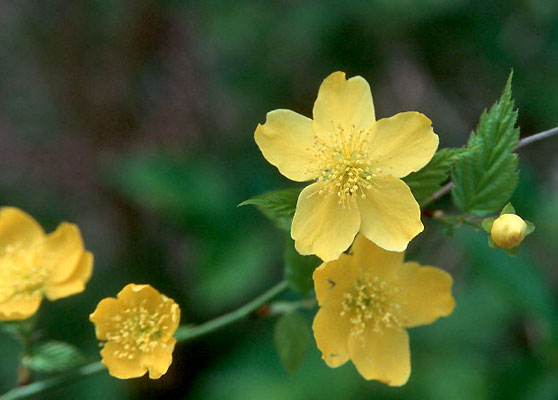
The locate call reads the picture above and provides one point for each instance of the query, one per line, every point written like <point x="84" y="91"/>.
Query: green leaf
<point x="429" y="179"/>
<point x="486" y="175"/>
<point x="530" y="227"/>
<point x="508" y="209"/>
<point x="292" y="338"/>
<point x="53" y="356"/>
<point x="279" y="206"/>
<point x="487" y="224"/>
<point x="299" y="269"/>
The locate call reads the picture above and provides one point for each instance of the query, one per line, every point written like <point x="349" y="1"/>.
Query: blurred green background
<point x="135" y="120"/>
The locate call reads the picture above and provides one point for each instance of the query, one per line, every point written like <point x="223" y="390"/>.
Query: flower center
<point x="19" y="275"/>
<point x="139" y="329"/>
<point x="343" y="164"/>
<point x="371" y="303"/>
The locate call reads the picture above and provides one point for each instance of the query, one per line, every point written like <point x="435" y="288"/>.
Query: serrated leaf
<point x="279" y="206"/>
<point x="429" y="179"/>
<point x="292" y="338"/>
<point x="54" y="356"/>
<point x="486" y="175"/>
<point x="299" y="269"/>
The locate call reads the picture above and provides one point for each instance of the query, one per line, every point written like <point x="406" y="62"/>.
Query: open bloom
<point x="137" y="331"/>
<point x="34" y="264"/>
<point x="366" y="300"/>
<point x="357" y="163"/>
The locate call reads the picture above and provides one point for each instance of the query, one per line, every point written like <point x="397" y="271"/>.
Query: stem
<point x="183" y="334"/>
<point x="523" y="142"/>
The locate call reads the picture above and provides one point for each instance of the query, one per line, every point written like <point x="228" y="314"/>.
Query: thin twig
<point x="183" y="334"/>
<point x="523" y="142"/>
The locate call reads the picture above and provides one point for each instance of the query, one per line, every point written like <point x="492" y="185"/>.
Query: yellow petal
<point x="332" y="332"/>
<point x="390" y="214"/>
<point x="367" y="257"/>
<point x="321" y="225"/>
<point x="333" y="279"/>
<point x="425" y="294"/>
<point x="159" y="360"/>
<point x="382" y="356"/>
<point x="60" y="252"/>
<point x="344" y="103"/>
<point x="75" y="283"/>
<point x="286" y="140"/>
<point x="17" y="226"/>
<point x="121" y="367"/>
<point x="402" y="144"/>
<point x="19" y="307"/>
<point x="102" y="316"/>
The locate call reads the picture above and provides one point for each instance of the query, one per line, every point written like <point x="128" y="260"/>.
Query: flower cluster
<point x="368" y="297"/>
<point x="34" y="264"/>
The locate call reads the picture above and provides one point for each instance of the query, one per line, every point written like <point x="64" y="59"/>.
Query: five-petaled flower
<point x="34" y="264"/>
<point x="366" y="300"/>
<point x="137" y="331"/>
<point x="357" y="163"/>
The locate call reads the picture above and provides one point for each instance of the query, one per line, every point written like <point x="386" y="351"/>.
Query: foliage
<point x="486" y="175"/>
<point x="292" y="338"/>
<point x="279" y="206"/>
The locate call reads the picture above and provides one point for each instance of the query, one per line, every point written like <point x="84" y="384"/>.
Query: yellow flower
<point x="34" y="264"/>
<point x="366" y="300"/>
<point x="357" y="163"/>
<point x="508" y="231"/>
<point x="137" y="329"/>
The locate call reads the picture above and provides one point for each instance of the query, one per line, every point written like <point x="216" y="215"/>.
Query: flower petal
<point x="425" y="294"/>
<point x="121" y="367"/>
<point x="332" y="331"/>
<point x="321" y="225"/>
<point x="159" y="360"/>
<point x="60" y="252"/>
<point x="367" y="257"/>
<point x="382" y="356"/>
<point x="390" y="214"/>
<point x="347" y="103"/>
<point x="333" y="279"/>
<point x="102" y="316"/>
<point x="286" y="140"/>
<point x="402" y="144"/>
<point x="17" y="226"/>
<point x="76" y="282"/>
<point x="19" y="307"/>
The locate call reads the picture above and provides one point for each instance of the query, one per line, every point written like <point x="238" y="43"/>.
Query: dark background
<point x="135" y="120"/>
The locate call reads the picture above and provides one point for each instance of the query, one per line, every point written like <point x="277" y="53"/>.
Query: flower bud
<point x="508" y="230"/>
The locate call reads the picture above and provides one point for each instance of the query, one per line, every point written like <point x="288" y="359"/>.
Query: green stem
<point x="183" y="334"/>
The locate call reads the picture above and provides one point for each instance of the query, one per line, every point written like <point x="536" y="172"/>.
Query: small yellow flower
<point x="34" y="264"/>
<point x="366" y="300"/>
<point x="137" y="331"/>
<point x="357" y="163"/>
<point x="508" y="231"/>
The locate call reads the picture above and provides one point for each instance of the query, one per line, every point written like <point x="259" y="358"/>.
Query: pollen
<point x="371" y="304"/>
<point x="139" y="329"/>
<point x="19" y="275"/>
<point x="343" y="164"/>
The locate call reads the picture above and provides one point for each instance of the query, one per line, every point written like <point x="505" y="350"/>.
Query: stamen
<point x="19" y="275"/>
<point x="140" y="329"/>
<point x="343" y="164"/>
<point x="370" y="303"/>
